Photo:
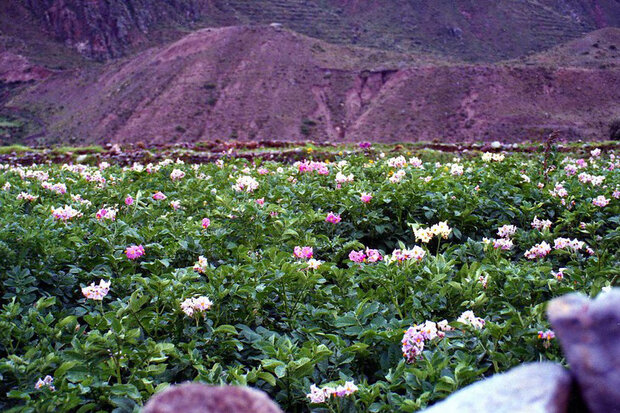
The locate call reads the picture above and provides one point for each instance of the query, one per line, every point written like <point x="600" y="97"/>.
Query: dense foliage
<point x="115" y="285"/>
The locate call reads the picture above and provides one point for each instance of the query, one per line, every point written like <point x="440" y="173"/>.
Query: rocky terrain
<point x="127" y="71"/>
<point x="475" y="31"/>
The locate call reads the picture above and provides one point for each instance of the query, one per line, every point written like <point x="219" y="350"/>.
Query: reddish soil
<point x="16" y="68"/>
<point x="263" y="83"/>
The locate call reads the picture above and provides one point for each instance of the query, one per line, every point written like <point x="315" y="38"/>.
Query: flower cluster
<point x="456" y="169"/>
<point x="503" y="244"/>
<point x="366" y="197"/>
<point x="245" y="184"/>
<point x="190" y="306"/>
<point x="401" y="255"/>
<point x="538" y="251"/>
<point x="318" y="396"/>
<point x="332" y="218"/>
<point x="45" y="382"/>
<point x="134" y="252"/>
<point x="26" y="196"/>
<point x="416" y="336"/>
<point x="177" y="174"/>
<point x="369" y="255"/>
<point x="469" y="318"/>
<point x="105" y="213"/>
<point x="495" y="157"/>
<point x="546" y="336"/>
<point x="303" y="252"/>
<point x="314" y="264"/>
<point x="559" y="191"/>
<point x="201" y="265"/>
<point x="416" y="162"/>
<point x="310" y="166"/>
<point x="595" y="180"/>
<point x="342" y="178"/>
<point x="398" y="176"/>
<point x="65" y="213"/>
<point x="58" y="188"/>
<point x="397" y="162"/>
<point x="426" y="234"/>
<point x="96" y="292"/>
<point x="567" y="243"/>
<point x="506" y="231"/>
<point x="559" y="275"/>
<point x="541" y="224"/>
<point x="600" y="201"/>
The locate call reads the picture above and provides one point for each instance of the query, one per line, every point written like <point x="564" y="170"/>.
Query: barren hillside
<point x="265" y="83"/>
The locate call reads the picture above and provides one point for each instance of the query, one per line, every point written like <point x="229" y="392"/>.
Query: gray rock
<point x="589" y="333"/>
<point x="530" y="388"/>
<point x="202" y="398"/>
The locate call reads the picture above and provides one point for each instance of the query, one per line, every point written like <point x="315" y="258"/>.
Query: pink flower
<point x="366" y="197"/>
<point x="314" y="264"/>
<point x="96" y="292"/>
<point x="373" y="255"/>
<point x="205" y="223"/>
<point x="134" y="252"/>
<point x="65" y="213"/>
<point x="45" y="382"/>
<point x="415" y="337"/>
<point x="303" y="252"/>
<point x="469" y="318"/>
<point x="158" y="196"/>
<point x="175" y="205"/>
<point x="260" y="201"/>
<point x="562" y="243"/>
<point x="559" y="275"/>
<point x="199" y="304"/>
<point x="600" y="201"/>
<point x="128" y="200"/>
<point x="332" y="218"/>
<point x="547" y="336"/>
<point x="541" y="224"/>
<point x="201" y="265"/>
<point x="506" y="231"/>
<point x="319" y="396"/>
<point x="357" y="256"/>
<point x="415" y="253"/>
<point x="503" y="244"/>
<point x="538" y="251"/>
<point x="177" y="174"/>
<point x="103" y="213"/>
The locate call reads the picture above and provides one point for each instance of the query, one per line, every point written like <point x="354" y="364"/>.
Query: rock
<point x="202" y="398"/>
<point x="530" y="388"/>
<point x="589" y="333"/>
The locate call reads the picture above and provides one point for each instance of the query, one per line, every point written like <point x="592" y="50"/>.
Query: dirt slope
<point x="266" y="83"/>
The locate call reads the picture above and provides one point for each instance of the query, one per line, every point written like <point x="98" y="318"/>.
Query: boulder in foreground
<point x="202" y="398"/>
<point x="531" y="388"/>
<point x="589" y="333"/>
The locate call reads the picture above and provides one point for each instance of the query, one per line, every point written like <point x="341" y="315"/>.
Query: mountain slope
<point x="267" y="83"/>
<point x="480" y="30"/>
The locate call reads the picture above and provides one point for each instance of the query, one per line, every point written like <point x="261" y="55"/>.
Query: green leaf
<point x="128" y="390"/>
<point x="226" y="329"/>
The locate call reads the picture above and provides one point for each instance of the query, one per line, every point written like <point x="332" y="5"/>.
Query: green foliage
<point x="275" y="324"/>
